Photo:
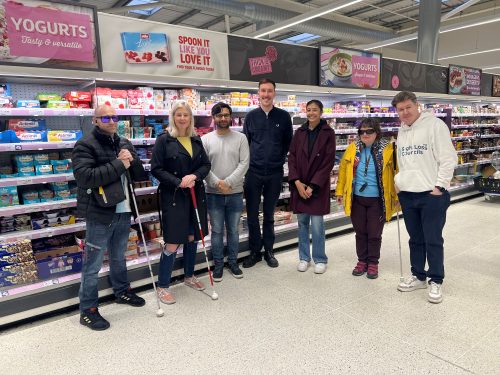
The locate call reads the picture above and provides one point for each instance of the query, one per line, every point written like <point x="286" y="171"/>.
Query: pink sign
<point x="259" y="65"/>
<point x="365" y="71"/>
<point x="48" y="33"/>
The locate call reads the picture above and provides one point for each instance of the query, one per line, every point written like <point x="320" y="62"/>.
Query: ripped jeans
<point x="99" y="237"/>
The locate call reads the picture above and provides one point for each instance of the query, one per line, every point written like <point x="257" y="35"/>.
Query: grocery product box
<point x="17" y="269"/>
<point x="78" y="96"/>
<point x="49" y="243"/>
<point x="63" y="194"/>
<point x="8" y="259"/>
<point x="11" y="136"/>
<point x="57" y="104"/>
<point x="46" y="195"/>
<point x="63" y="135"/>
<point x="8" y="196"/>
<point x="79" y="104"/>
<point x="44" y="97"/>
<point x="52" y="222"/>
<point x="26" y="171"/>
<point x="18" y="279"/>
<point x="40" y="159"/>
<point x="30" y="197"/>
<point x="28" y="104"/>
<point x="58" y="262"/>
<point x="57" y="186"/>
<point x="61" y="166"/>
<point x="5" y="89"/>
<point x="43" y="169"/>
<point x="24" y="160"/>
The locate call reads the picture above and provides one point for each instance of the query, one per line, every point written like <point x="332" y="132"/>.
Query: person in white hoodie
<point x="426" y="159"/>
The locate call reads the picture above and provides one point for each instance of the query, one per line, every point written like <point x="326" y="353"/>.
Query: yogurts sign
<point x="48" y="34"/>
<point x="341" y="67"/>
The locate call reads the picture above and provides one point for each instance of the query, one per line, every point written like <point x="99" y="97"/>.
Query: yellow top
<point x="186" y="143"/>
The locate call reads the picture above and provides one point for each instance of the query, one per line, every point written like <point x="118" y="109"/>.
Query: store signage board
<point x="152" y="48"/>
<point x="341" y="67"/>
<point x="496" y="86"/>
<point x="253" y="59"/>
<point x="464" y="80"/>
<point x="486" y="84"/>
<point x="411" y="76"/>
<point x="49" y="34"/>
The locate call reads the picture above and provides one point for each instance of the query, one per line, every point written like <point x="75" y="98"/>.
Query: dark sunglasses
<point x="366" y="131"/>
<point x="107" y="119"/>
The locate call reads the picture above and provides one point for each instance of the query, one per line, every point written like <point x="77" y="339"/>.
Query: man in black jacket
<point x="101" y="162"/>
<point x="269" y="132"/>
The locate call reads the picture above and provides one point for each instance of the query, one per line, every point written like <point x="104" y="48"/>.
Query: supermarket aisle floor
<point x="280" y="321"/>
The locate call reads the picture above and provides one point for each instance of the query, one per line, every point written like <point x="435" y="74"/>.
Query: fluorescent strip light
<point x="469" y="54"/>
<point x="491" y="68"/>
<point x="392" y="42"/>
<point x="302" y="19"/>
<point x="451" y="28"/>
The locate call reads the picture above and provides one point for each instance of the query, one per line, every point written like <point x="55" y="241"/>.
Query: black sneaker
<point x="92" y="319"/>
<point x="217" y="274"/>
<point x="235" y="270"/>
<point x="130" y="298"/>
<point x="270" y="259"/>
<point x="252" y="260"/>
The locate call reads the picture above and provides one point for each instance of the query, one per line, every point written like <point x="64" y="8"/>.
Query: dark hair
<point x="372" y="124"/>
<point x="403" y="96"/>
<point x="267" y="80"/>
<point x="216" y="109"/>
<point x="317" y="102"/>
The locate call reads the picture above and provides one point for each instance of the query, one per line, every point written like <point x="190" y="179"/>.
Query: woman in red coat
<point x="310" y="162"/>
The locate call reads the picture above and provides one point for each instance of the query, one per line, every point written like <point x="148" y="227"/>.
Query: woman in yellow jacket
<point x="366" y="189"/>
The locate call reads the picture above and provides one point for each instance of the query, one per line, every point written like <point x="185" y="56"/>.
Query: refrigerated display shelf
<point x="32" y="180"/>
<point x="36" y="146"/>
<point x="458" y="114"/>
<point x="467" y="126"/>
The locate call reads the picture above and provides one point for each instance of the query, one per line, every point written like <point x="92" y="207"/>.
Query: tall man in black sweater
<point x="269" y="132"/>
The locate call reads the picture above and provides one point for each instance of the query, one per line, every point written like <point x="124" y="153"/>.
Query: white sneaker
<point x="320" y="268"/>
<point x="435" y="293"/>
<point x="412" y="283"/>
<point x="303" y="266"/>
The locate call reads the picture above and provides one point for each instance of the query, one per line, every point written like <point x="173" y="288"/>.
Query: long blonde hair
<point x="173" y="129"/>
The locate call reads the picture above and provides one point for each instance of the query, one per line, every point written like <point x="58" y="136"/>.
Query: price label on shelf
<point x="18" y="147"/>
<point x="47" y="283"/>
<point x="37" y="112"/>
<point x="4" y="293"/>
<point x="26" y="181"/>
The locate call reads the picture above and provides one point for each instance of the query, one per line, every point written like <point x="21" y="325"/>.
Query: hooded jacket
<point x="426" y="156"/>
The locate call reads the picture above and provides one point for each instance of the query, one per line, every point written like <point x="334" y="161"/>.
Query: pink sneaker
<point x="360" y="269"/>
<point x="194" y="283"/>
<point x="165" y="296"/>
<point x="372" y="271"/>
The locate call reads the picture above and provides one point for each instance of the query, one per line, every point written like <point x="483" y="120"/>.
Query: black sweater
<point x="269" y="137"/>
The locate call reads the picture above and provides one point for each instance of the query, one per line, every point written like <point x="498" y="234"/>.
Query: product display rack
<point x="26" y="301"/>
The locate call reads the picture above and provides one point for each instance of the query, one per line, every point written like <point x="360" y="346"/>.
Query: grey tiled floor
<point x="280" y="321"/>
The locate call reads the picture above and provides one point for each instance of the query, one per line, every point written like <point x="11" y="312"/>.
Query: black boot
<point x="252" y="260"/>
<point x="270" y="259"/>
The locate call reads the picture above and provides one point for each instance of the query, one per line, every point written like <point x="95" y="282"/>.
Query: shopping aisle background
<point x="280" y="321"/>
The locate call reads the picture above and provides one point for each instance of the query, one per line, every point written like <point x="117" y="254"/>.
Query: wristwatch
<point x="440" y="188"/>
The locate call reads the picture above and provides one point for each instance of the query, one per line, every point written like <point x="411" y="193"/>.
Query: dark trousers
<point x="269" y="187"/>
<point x="368" y="222"/>
<point x="425" y="216"/>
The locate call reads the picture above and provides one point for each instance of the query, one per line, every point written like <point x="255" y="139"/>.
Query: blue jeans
<point x="425" y="217"/>
<point x="225" y="209"/>
<point x="318" y="238"/>
<point x="99" y="237"/>
<point x="167" y="261"/>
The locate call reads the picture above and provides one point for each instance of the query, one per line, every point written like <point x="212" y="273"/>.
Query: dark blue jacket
<point x="269" y="138"/>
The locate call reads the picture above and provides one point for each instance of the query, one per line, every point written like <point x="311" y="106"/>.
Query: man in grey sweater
<point x="229" y="155"/>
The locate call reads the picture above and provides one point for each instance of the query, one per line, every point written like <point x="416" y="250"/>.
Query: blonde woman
<point x="179" y="162"/>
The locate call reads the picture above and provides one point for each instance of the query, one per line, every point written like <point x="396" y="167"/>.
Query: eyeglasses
<point x="107" y="119"/>
<point x="366" y="131"/>
<point x="223" y="115"/>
